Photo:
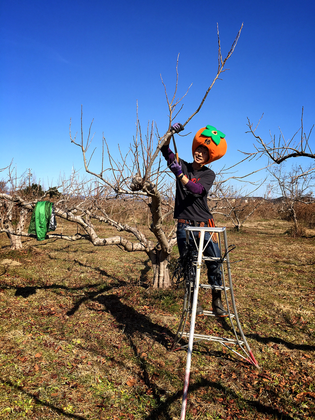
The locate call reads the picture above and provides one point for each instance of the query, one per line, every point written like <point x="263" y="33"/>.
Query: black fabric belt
<point x="192" y="223"/>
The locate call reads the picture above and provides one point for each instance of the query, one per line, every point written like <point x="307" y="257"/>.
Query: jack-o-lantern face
<point x="213" y="140"/>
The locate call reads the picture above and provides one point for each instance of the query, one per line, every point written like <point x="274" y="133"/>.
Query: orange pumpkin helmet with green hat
<point x="213" y="140"/>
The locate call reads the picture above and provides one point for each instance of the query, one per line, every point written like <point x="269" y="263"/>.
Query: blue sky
<point x="108" y="56"/>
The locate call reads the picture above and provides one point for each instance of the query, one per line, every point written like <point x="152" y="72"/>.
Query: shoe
<point x="217" y="305"/>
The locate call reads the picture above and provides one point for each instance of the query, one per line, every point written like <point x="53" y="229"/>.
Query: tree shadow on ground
<point x="4" y="268"/>
<point x="157" y="391"/>
<point x="277" y="340"/>
<point x="162" y="411"/>
<point x="132" y="321"/>
<point x="266" y="340"/>
<point x="26" y="291"/>
<point x="39" y="402"/>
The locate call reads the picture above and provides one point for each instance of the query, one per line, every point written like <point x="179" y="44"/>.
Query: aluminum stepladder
<point x="227" y="287"/>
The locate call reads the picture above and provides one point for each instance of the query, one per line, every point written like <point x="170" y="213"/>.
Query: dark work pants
<point x="212" y="250"/>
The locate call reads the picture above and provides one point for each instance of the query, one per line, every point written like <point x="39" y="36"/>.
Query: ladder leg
<point x="185" y="313"/>
<point x="251" y="359"/>
<point x="192" y="326"/>
<point x="187" y="271"/>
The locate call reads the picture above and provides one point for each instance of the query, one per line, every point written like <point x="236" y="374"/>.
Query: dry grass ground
<point x="83" y="336"/>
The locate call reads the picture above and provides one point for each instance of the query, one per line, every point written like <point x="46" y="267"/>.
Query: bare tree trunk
<point x="19" y="229"/>
<point x="295" y="220"/>
<point x="161" y="274"/>
<point x="15" y="240"/>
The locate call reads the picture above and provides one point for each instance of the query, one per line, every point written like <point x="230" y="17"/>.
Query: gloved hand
<point x="177" y="127"/>
<point x="176" y="168"/>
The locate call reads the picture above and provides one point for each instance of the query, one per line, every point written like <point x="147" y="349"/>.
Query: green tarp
<point x="39" y="224"/>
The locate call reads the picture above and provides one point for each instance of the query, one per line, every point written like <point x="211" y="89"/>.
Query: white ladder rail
<point x="226" y="342"/>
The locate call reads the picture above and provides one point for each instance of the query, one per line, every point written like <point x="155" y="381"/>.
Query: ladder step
<point x="208" y="286"/>
<point x="213" y="259"/>
<point x="214" y="338"/>
<point x="210" y="313"/>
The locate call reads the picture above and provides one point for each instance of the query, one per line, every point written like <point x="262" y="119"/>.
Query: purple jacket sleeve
<point x="195" y="188"/>
<point x="190" y="186"/>
<point x="168" y="154"/>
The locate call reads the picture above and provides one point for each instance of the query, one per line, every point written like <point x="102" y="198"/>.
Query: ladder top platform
<point x="205" y="229"/>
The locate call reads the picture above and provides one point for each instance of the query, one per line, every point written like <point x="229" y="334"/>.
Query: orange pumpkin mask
<point x="213" y="140"/>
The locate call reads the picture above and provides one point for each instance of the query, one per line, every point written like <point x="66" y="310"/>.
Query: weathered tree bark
<point x="13" y="233"/>
<point x="294" y="218"/>
<point x="161" y="274"/>
<point x="16" y="242"/>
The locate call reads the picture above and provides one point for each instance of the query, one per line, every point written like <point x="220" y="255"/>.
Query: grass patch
<point x="83" y="336"/>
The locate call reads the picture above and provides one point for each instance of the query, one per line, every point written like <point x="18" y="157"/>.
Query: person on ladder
<point x="193" y="182"/>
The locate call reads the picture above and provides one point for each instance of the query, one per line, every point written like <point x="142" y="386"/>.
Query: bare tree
<point x="138" y="174"/>
<point x="234" y="203"/>
<point x="282" y="149"/>
<point x="12" y="216"/>
<point x="295" y="187"/>
<point x="12" y="220"/>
